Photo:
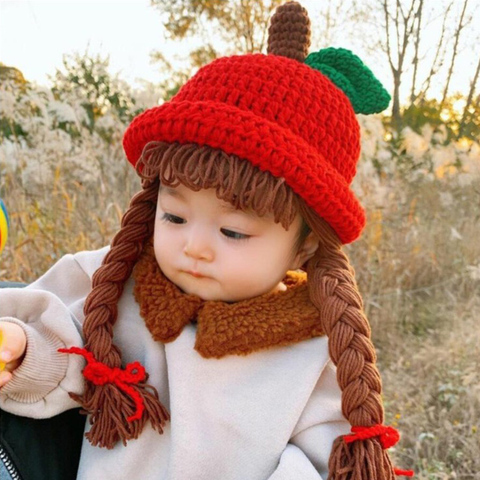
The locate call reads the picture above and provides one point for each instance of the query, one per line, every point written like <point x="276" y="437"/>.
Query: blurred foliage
<point x="12" y="74"/>
<point x="242" y="24"/>
<point x="9" y="129"/>
<point x="87" y="77"/>
<point x="451" y="115"/>
<point x="428" y="112"/>
<point x="13" y="77"/>
<point x="175" y="78"/>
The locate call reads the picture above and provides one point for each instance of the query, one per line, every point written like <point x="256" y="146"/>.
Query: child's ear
<point x="306" y="251"/>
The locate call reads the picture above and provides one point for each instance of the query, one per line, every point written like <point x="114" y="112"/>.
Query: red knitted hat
<point x="294" y="119"/>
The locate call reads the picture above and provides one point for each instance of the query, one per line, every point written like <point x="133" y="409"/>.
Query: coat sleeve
<point x="50" y="311"/>
<point x="307" y="453"/>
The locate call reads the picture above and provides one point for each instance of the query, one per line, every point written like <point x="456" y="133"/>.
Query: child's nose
<point x="199" y="245"/>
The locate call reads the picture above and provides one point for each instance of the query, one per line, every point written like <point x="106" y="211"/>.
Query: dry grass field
<point x="418" y="268"/>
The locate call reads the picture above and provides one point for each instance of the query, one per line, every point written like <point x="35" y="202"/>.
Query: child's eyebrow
<point x="229" y="208"/>
<point x="226" y="207"/>
<point x="172" y="192"/>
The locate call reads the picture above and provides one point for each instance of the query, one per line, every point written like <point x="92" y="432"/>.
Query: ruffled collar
<point x="270" y="320"/>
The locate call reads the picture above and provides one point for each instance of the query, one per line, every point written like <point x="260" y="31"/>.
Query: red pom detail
<point x="100" y="374"/>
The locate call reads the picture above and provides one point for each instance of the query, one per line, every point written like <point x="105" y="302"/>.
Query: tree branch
<point x="454" y="54"/>
<point x="469" y="100"/>
<point x="418" y="15"/>
<point x="434" y="68"/>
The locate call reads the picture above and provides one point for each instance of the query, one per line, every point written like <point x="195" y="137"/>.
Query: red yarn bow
<point x="100" y="374"/>
<point x="388" y="438"/>
<point x="388" y="435"/>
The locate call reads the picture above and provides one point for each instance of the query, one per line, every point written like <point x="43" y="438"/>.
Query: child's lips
<point x="195" y="274"/>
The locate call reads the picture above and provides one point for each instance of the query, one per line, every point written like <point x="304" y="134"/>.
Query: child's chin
<point x="209" y="296"/>
<point x="204" y="293"/>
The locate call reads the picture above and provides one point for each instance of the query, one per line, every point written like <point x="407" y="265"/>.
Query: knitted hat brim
<point x="265" y="144"/>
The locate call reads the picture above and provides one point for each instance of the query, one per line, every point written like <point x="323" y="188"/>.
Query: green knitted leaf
<point x="355" y="79"/>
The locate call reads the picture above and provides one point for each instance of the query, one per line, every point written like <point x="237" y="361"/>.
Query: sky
<point x="34" y="35"/>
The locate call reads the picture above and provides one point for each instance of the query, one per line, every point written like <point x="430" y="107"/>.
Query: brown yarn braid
<point x="334" y="292"/>
<point x="289" y="32"/>
<point x="108" y="405"/>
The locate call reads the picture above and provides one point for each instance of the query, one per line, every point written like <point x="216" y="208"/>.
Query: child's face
<point x="209" y="249"/>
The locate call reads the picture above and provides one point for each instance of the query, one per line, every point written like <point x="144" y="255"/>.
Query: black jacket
<point x="47" y="449"/>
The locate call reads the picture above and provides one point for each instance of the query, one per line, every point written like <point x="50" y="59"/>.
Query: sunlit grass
<point x="418" y="267"/>
<point x="61" y="218"/>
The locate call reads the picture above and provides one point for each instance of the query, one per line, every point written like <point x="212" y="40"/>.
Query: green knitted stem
<point x="355" y="79"/>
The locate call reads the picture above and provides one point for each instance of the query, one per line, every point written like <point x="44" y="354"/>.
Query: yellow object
<point x="3" y="226"/>
<point x="3" y="241"/>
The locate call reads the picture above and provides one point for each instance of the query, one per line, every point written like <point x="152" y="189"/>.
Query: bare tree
<point x="418" y="30"/>
<point x="332" y="22"/>
<point x="469" y="102"/>
<point x="438" y="58"/>
<point x="243" y="24"/>
<point x="460" y="27"/>
<point x="399" y="23"/>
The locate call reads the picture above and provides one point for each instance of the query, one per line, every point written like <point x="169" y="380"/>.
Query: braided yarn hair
<point x="333" y="290"/>
<point x="109" y="406"/>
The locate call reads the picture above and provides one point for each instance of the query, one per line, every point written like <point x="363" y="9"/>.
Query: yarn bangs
<point x="235" y="180"/>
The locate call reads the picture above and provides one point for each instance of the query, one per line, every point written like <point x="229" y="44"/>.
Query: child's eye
<point x="168" y="217"/>
<point x="234" y="235"/>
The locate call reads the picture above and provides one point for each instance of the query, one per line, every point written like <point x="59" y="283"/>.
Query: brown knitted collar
<point x="272" y="319"/>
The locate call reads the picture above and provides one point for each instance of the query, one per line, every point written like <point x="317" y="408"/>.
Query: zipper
<point x="5" y="459"/>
